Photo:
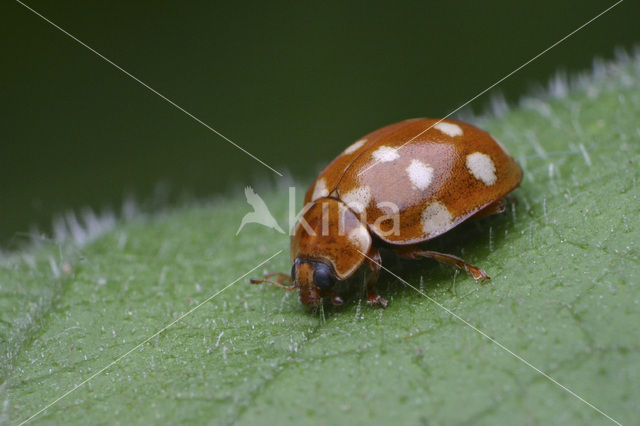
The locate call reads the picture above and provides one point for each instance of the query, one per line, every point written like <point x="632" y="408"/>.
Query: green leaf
<point x="564" y="296"/>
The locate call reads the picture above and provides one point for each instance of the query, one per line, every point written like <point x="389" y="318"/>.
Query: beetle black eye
<point x="322" y="277"/>
<point x="293" y="273"/>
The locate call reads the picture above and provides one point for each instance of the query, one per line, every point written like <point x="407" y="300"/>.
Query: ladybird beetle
<point x="394" y="189"/>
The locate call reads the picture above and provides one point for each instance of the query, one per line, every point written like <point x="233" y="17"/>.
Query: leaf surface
<point x="564" y="296"/>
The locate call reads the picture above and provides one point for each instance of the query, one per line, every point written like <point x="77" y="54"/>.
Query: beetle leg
<point x="373" y="261"/>
<point x="281" y="277"/>
<point x="279" y="282"/>
<point x="496" y="207"/>
<point x="413" y="252"/>
<point x="336" y="299"/>
<point x="274" y="283"/>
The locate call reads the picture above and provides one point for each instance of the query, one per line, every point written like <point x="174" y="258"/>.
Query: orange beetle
<point x="398" y="186"/>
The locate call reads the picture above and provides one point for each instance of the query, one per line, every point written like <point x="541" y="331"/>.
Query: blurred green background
<point x="291" y="83"/>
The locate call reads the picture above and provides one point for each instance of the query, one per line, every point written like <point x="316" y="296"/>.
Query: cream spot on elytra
<point x="482" y="168"/>
<point x="384" y="154"/>
<point x="354" y="146"/>
<point x="420" y="174"/>
<point x="357" y="199"/>
<point x="436" y="219"/>
<point x="449" y="129"/>
<point x="320" y="190"/>
<point x="360" y="238"/>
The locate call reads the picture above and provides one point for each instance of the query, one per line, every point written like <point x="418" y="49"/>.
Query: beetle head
<point x="315" y="280"/>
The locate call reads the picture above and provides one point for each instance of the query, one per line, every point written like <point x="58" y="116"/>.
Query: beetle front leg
<point x="414" y="252"/>
<point x="496" y="207"/>
<point x="374" y="262"/>
<point x="281" y="278"/>
<point x="279" y="282"/>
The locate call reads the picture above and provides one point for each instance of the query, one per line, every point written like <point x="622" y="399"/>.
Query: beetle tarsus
<point x="374" y="299"/>
<point x="477" y="273"/>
